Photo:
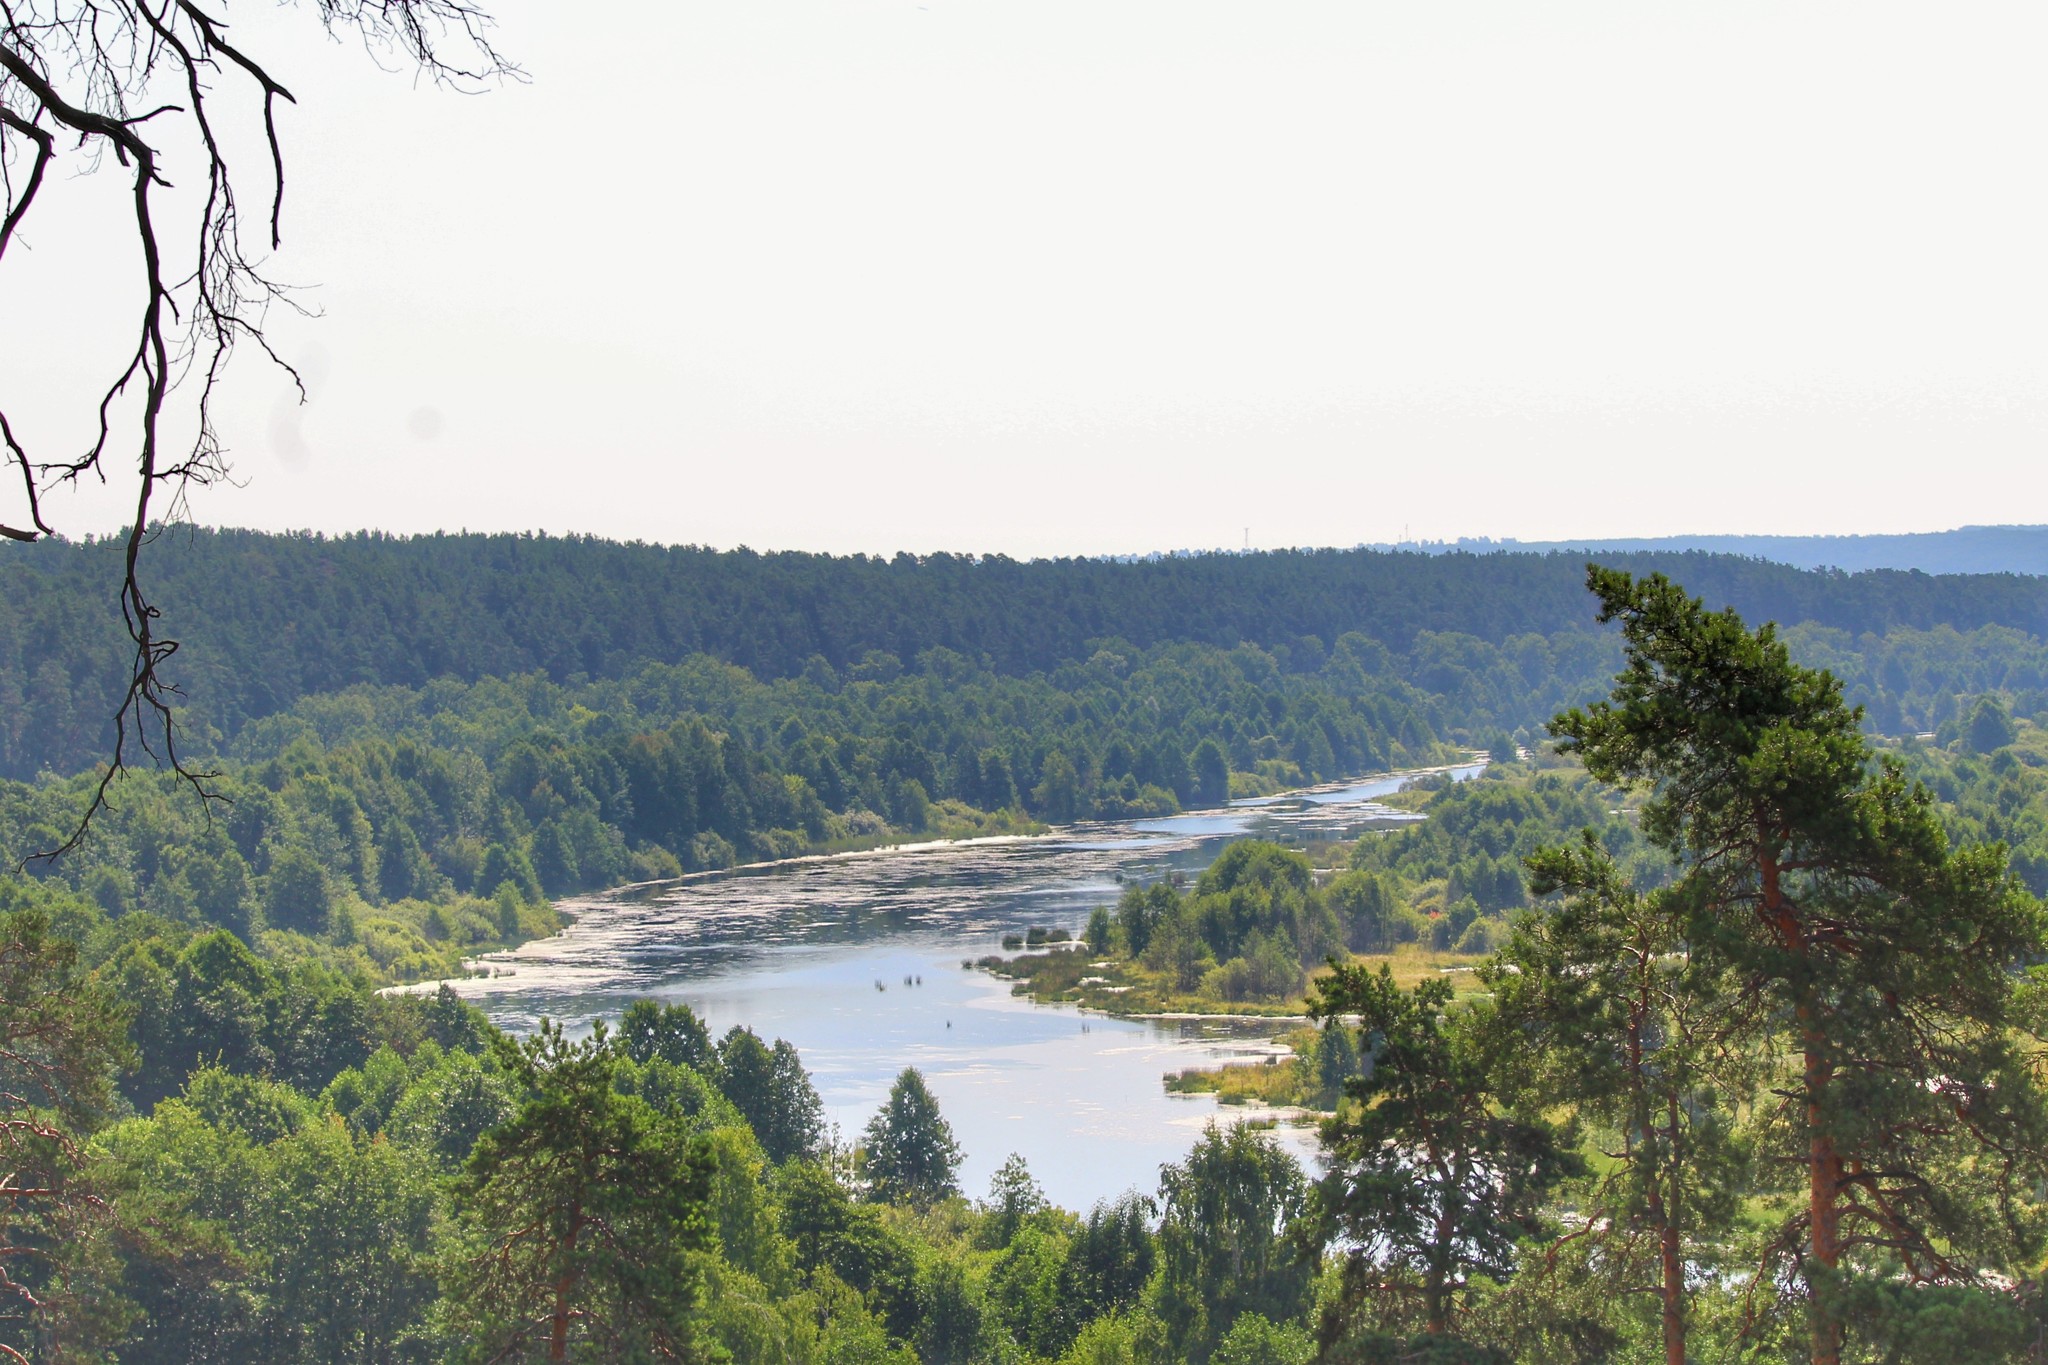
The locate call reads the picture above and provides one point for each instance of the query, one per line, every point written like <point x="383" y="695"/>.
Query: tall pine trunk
<point x="1436" y="1280"/>
<point x="1823" y="1165"/>
<point x="1671" y="1282"/>
<point x="1823" y="1183"/>
<point x="1674" y="1298"/>
<point x="565" y="1288"/>
<point x="1672" y="1287"/>
<point x="1663" y="1211"/>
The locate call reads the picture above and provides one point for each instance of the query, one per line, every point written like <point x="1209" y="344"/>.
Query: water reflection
<point x="819" y="951"/>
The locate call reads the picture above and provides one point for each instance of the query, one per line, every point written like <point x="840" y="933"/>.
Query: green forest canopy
<point x="240" y="1150"/>
<point x="303" y="1169"/>
<point x="268" y="619"/>
<point x="424" y="739"/>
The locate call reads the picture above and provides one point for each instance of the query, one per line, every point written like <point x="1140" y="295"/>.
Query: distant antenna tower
<point x="1247" y="540"/>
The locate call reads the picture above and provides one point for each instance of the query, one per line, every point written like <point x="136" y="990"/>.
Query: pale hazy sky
<point x="1097" y="276"/>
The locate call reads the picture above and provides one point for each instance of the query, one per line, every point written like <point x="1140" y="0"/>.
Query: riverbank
<point x="964" y="828"/>
<point x="1293" y="1073"/>
<point x="1232" y="942"/>
<point x="958" y="827"/>
<point x="1277" y="1079"/>
<point x="1011" y="827"/>
<point x="1126" y="989"/>
<point x="856" y="960"/>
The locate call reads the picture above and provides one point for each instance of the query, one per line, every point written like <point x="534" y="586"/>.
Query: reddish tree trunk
<point x="1824" y="1181"/>
<point x="1823" y="1164"/>
<point x="558" y="1325"/>
<point x="1672" y="1290"/>
<point x="1674" y="1298"/>
<point x="565" y="1287"/>
<point x="1435" y="1290"/>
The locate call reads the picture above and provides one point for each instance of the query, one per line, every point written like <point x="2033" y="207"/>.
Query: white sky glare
<point x="1100" y="276"/>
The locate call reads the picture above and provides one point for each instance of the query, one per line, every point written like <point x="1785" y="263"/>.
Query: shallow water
<point x="857" y="960"/>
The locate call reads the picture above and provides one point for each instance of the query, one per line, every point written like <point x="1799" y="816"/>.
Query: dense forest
<point x="421" y="745"/>
<point x="400" y="829"/>
<point x="395" y="830"/>
<point x="241" y="1162"/>
<point x="421" y="742"/>
<point x="1750" y="1069"/>
<point x="265" y="619"/>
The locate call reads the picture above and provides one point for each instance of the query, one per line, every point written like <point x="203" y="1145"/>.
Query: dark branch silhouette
<point x="73" y="74"/>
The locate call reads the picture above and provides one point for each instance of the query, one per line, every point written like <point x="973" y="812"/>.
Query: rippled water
<point x="857" y="960"/>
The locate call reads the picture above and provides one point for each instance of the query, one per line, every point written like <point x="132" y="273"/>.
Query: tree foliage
<point x="1609" y="1016"/>
<point x="1880" y="958"/>
<point x="1431" y="1182"/>
<point x="60" y="1038"/>
<point x="299" y="1167"/>
<point x="907" y="1149"/>
<point x="1226" y="1238"/>
<point x="583" y="1211"/>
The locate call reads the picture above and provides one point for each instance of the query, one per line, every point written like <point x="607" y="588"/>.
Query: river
<point x="859" y="960"/>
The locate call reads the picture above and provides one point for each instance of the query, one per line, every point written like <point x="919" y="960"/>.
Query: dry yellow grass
<point x="1412" y="964"/>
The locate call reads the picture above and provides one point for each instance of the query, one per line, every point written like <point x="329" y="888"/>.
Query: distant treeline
<point x="267" y="619"/>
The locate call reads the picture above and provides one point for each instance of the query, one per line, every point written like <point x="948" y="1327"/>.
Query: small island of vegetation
<point x="1250" y="935"/>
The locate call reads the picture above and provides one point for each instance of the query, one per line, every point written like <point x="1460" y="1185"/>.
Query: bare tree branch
<point x="72" y="74"/>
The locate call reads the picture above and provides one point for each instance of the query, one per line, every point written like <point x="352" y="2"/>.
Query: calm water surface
<point x="857" y="960"/>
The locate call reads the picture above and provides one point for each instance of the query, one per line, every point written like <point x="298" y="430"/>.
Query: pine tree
<point x="581" y="1215"/>
<point x="1881" y="961"/>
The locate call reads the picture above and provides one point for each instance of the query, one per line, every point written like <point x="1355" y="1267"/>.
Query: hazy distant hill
<point x="1967" y="549"/>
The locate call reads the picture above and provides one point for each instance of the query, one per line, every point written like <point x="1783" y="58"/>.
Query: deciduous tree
<point x="773" y="1092"/>
<point x="674" y="1033"/>
<point x="908" y="1152"/>
<point x="1431" y="1181"/>
<point x="1226" y="1238"/>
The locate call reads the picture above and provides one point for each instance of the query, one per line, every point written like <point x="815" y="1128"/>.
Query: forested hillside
<point x="267" y="619"/>
<point x="234" y="1150"/>
<point x="422" y="742"/>
<point x="395" y="829"/>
